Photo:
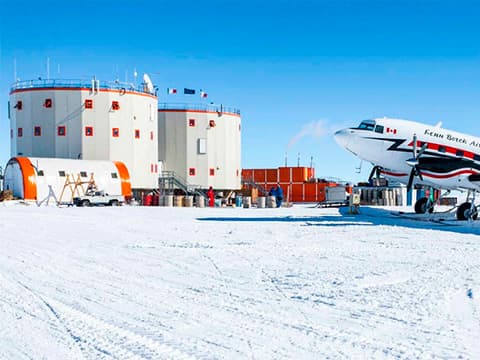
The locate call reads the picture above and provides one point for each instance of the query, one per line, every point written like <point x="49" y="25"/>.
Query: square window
<point x="459" y="153"/>
<point x="61" y="131"/>
<point x="88" y="104"/>
<point x="379" y="129"/>
<point x="212" y="172"/>
<point x="442" y="149"/>
<point x="48" y="103"/>
<point x="37" y="131"/>
<point x="191" y="171"/>
<point x="211" y="123"/>
<point x="40" y="173"/>
<point x="137" y="134"/>
<point x="88" y="130"/>
<point x="61" y="173"/>
<point x="191" y="122"/>
<point x="115" y="132"/>
<point x="83" y="174"/>
<point x="20" y="132"/>
<point x="115" y="105"/>
<point x="114" y="176"/>
<point x="19" y="105"/>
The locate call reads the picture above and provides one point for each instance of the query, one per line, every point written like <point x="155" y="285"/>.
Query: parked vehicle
<point x="99" y="198"/>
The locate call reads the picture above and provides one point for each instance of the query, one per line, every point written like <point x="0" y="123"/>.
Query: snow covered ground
<point x="291" y="283"/>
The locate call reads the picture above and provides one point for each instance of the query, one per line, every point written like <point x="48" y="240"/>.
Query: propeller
<point x="414" y="162"/>
<point x="374" y="173"/>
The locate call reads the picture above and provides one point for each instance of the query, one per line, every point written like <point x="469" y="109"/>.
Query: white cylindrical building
<point x="201" y="144"/>
<point x="29" y="178"/>
<point x="89" y="120"/>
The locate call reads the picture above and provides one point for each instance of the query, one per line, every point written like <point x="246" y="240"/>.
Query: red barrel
<point x="147" y="200"/>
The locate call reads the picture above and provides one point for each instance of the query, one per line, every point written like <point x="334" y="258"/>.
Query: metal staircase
<point x="168" y="182"/>
<point x="253" y="184"/>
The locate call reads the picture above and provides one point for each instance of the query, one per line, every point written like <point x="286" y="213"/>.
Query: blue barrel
<point x="238" y="201"/>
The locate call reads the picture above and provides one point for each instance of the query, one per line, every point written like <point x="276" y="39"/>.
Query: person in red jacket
<point x="211" y="197"/>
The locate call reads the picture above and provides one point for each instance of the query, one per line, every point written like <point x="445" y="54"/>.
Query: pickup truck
<point x="98" y="198"/>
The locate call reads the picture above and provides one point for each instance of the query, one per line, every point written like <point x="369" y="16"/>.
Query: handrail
<point x="204" y="107"/>
<point x="78" y="83"/>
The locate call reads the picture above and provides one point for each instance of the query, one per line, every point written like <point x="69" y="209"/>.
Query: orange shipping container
<point x="285" y="174"/>
<point x="296" y="193"/>
<point x="260" y="175"/>
<point x="299" y="174"/>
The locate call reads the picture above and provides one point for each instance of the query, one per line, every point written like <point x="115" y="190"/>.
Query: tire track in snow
<point x="105" y="341"/>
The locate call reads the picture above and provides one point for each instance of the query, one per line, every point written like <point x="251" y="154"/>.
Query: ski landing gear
<point x="424" y="205"/>
<point x="468" y="210"/>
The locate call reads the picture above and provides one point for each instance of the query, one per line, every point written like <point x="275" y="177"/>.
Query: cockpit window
<point x="367" y="125"/>
<point x="379" y="129"/>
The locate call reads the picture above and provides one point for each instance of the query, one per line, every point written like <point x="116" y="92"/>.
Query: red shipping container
<point x="260" y="175"/>
<point x="310" y="192"/>
<point x="247" y="174"/>
<point x="272" y="175"/>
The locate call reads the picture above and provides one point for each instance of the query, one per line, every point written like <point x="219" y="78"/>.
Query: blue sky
<point x="297" y="70"/>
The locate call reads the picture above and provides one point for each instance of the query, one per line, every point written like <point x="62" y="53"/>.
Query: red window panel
<point x="211" y="123"/>
<point x="151" y="168"/>
<point x="37" y="131"/>
<point x="48" y="103"/>
<point x="151" y="135"/>
<point x="191" y="122"/>
<point x="19" y="105"/>
<point x="115" y="105"/>
<point x="191" y="171"/>
<point x="238" y="172"/>
<point x="88" y="104"/>
<point x="19" y="132"/>
<point x="115" y="132"/>
<point x="61" y="130"/>
<point x="156" y="168"/>
<point x="88" y="130"/>
<point x="137" y="134"/>
<point x="212" y="172"/>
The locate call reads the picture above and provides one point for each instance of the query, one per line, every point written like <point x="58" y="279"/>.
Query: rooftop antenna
<point x="135" y="74"/>
<point x="286" y="158"/>
<point x="311" y="162"/>
<point x="48" y="68"/>
<point x="15" y="69"/>
<point x="298" y="160"/>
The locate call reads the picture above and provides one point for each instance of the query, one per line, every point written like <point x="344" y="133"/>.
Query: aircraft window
<point x="442" y="149"/>
<point x="379" y="129"/>
<point x="459" y="152"/>
<point x="476" y="157"/>
<point x="367" y="125"/>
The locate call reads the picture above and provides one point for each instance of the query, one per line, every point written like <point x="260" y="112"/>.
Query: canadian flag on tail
<point x="171" y="91"/>
<point x="203" y="94"/>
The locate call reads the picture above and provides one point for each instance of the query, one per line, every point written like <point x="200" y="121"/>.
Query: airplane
<point x="418" y="154"/>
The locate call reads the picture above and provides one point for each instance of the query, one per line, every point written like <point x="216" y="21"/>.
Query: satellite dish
<point x="148" y="83"/>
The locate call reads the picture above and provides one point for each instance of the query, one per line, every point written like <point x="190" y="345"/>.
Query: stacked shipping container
<point x="298" y="183"/>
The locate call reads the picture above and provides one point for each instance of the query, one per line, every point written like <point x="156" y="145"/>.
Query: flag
<point x="171" y="91"/>
<point x="203" y="94"/>
<point x="188" y="91"/>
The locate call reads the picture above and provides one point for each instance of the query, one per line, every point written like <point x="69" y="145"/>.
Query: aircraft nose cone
<point x="342" y="137"/>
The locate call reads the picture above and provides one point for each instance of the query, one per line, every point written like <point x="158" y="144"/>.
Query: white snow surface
<point x="290" y="283"/>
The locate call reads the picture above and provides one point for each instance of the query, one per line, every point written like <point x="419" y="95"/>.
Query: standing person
<point x="211" y="197"/>
<point x="279" y="195"/>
